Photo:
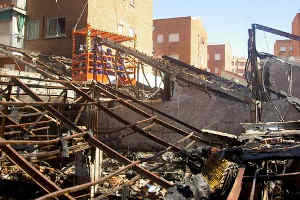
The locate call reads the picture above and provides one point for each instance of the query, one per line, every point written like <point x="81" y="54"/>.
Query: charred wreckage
<point x="42" y="138"/>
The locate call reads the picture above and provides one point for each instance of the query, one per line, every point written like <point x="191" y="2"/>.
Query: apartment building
<point x="12" y="20"/>
<point x="289" y="48"/>
<point x="50" y="23"/>
<point x="296" y="31"/>
<point x="238" y="65"/>
<point x="219" y="58"/>
<point x="183" y="38"/>
<point x="283" y="48"/>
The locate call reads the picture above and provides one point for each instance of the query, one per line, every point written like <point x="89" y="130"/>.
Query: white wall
<point x="17" y="38"/>
<point x="5" y="32"/>
<point x="20" y="4"/>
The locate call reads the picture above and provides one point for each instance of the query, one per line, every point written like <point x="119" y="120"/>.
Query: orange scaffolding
<point x="90" y="61"/>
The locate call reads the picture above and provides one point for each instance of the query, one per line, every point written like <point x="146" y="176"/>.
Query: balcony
<point x="20" y="4"/>
<point x="14" y="40"/>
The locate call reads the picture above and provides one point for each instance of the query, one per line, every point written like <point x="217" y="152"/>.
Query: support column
<point x="96" y="165"/>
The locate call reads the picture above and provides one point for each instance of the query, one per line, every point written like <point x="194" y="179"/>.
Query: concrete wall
<point x="109" y="15"/>
<point x="5" y="32"/>
<point x="198" y="44"/>
<point x="165" y="27"/>
<point x="228" y="57"/>
<point x="189" y="105"/>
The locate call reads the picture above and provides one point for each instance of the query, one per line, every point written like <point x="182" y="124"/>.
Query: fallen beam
<point x="35" y="174"/>
<point x="111" y="152"/>
<point x="43" y="142"/>
<point x="86" y="185"/>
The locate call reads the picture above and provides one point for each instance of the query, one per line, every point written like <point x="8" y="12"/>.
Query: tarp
<point x="20" y="23"/>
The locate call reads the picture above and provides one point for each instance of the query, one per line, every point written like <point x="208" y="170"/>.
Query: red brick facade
<point x="124" y="17"/>
<point x="283" y="48"/>
<point x="219" y="58"/>
<point x="183" y="38"/>
<point x="287" y="48"/>
<point x="296" y="31"/>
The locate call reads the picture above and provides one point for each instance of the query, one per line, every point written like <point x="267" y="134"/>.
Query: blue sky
<point x="229" y="20"/>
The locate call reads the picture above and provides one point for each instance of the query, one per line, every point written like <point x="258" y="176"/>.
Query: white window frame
<point x="174" y="37"/>
<point x="131" y="32"/>
<point x="33" y="25"/>
<point x="120" y="28"/>
<point x="282" y="49"/>
<point x="160" y="38"/>
<point x="216" y="70"/>
<point x="217" y="56"/>
<point x="58" y="34"/>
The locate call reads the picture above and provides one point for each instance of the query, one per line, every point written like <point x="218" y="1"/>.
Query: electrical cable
<point x="81" y="14"/>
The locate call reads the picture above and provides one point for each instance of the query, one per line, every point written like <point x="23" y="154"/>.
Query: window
<point x="120" y="28"/>
<point x="175" y="56"/>
<point x="283" y="49"/>
<point x="174" y="37"/>
<point x="217" y="70"/>
<point x="132" y="3"/>
<point x="33" y="29"/>
<point x="56" y="27"/>
<point x="131" y="32"/>
<point x="217" y="56"/>
<point x="160" y="38"/>
<point x="208" y="69"/>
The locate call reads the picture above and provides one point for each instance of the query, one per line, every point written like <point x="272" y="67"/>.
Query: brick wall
<point x="137" y="18"/>
<point x="296" y="31"/>
<point x="283" y="48"/>
<point x="180" y="49"/>
<point x="219" y="58"/>
<point x="192" y="45"/>
<point x="43" y="11"/>
<point x="103" y="15"/>
<point x="216" y="58"/>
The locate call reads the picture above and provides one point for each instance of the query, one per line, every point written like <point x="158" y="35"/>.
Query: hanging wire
<point x="81" y="14"/>
<point x="266" y="40"/>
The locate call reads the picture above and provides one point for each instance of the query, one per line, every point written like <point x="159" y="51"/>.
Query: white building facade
<point x="12" y="22"/>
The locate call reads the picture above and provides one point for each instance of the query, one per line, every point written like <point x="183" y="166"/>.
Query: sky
<point x="229" y="20"/>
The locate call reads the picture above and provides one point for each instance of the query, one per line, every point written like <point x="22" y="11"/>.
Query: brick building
<point x="238" y="65"/>
<point x="288" y="48"/>
<point x="219" y="58"/>
<point x="50" y="22"/>
<point x="296" y="31"/>
<point x="283" y="48"/>
<point x="183" y="38"/>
